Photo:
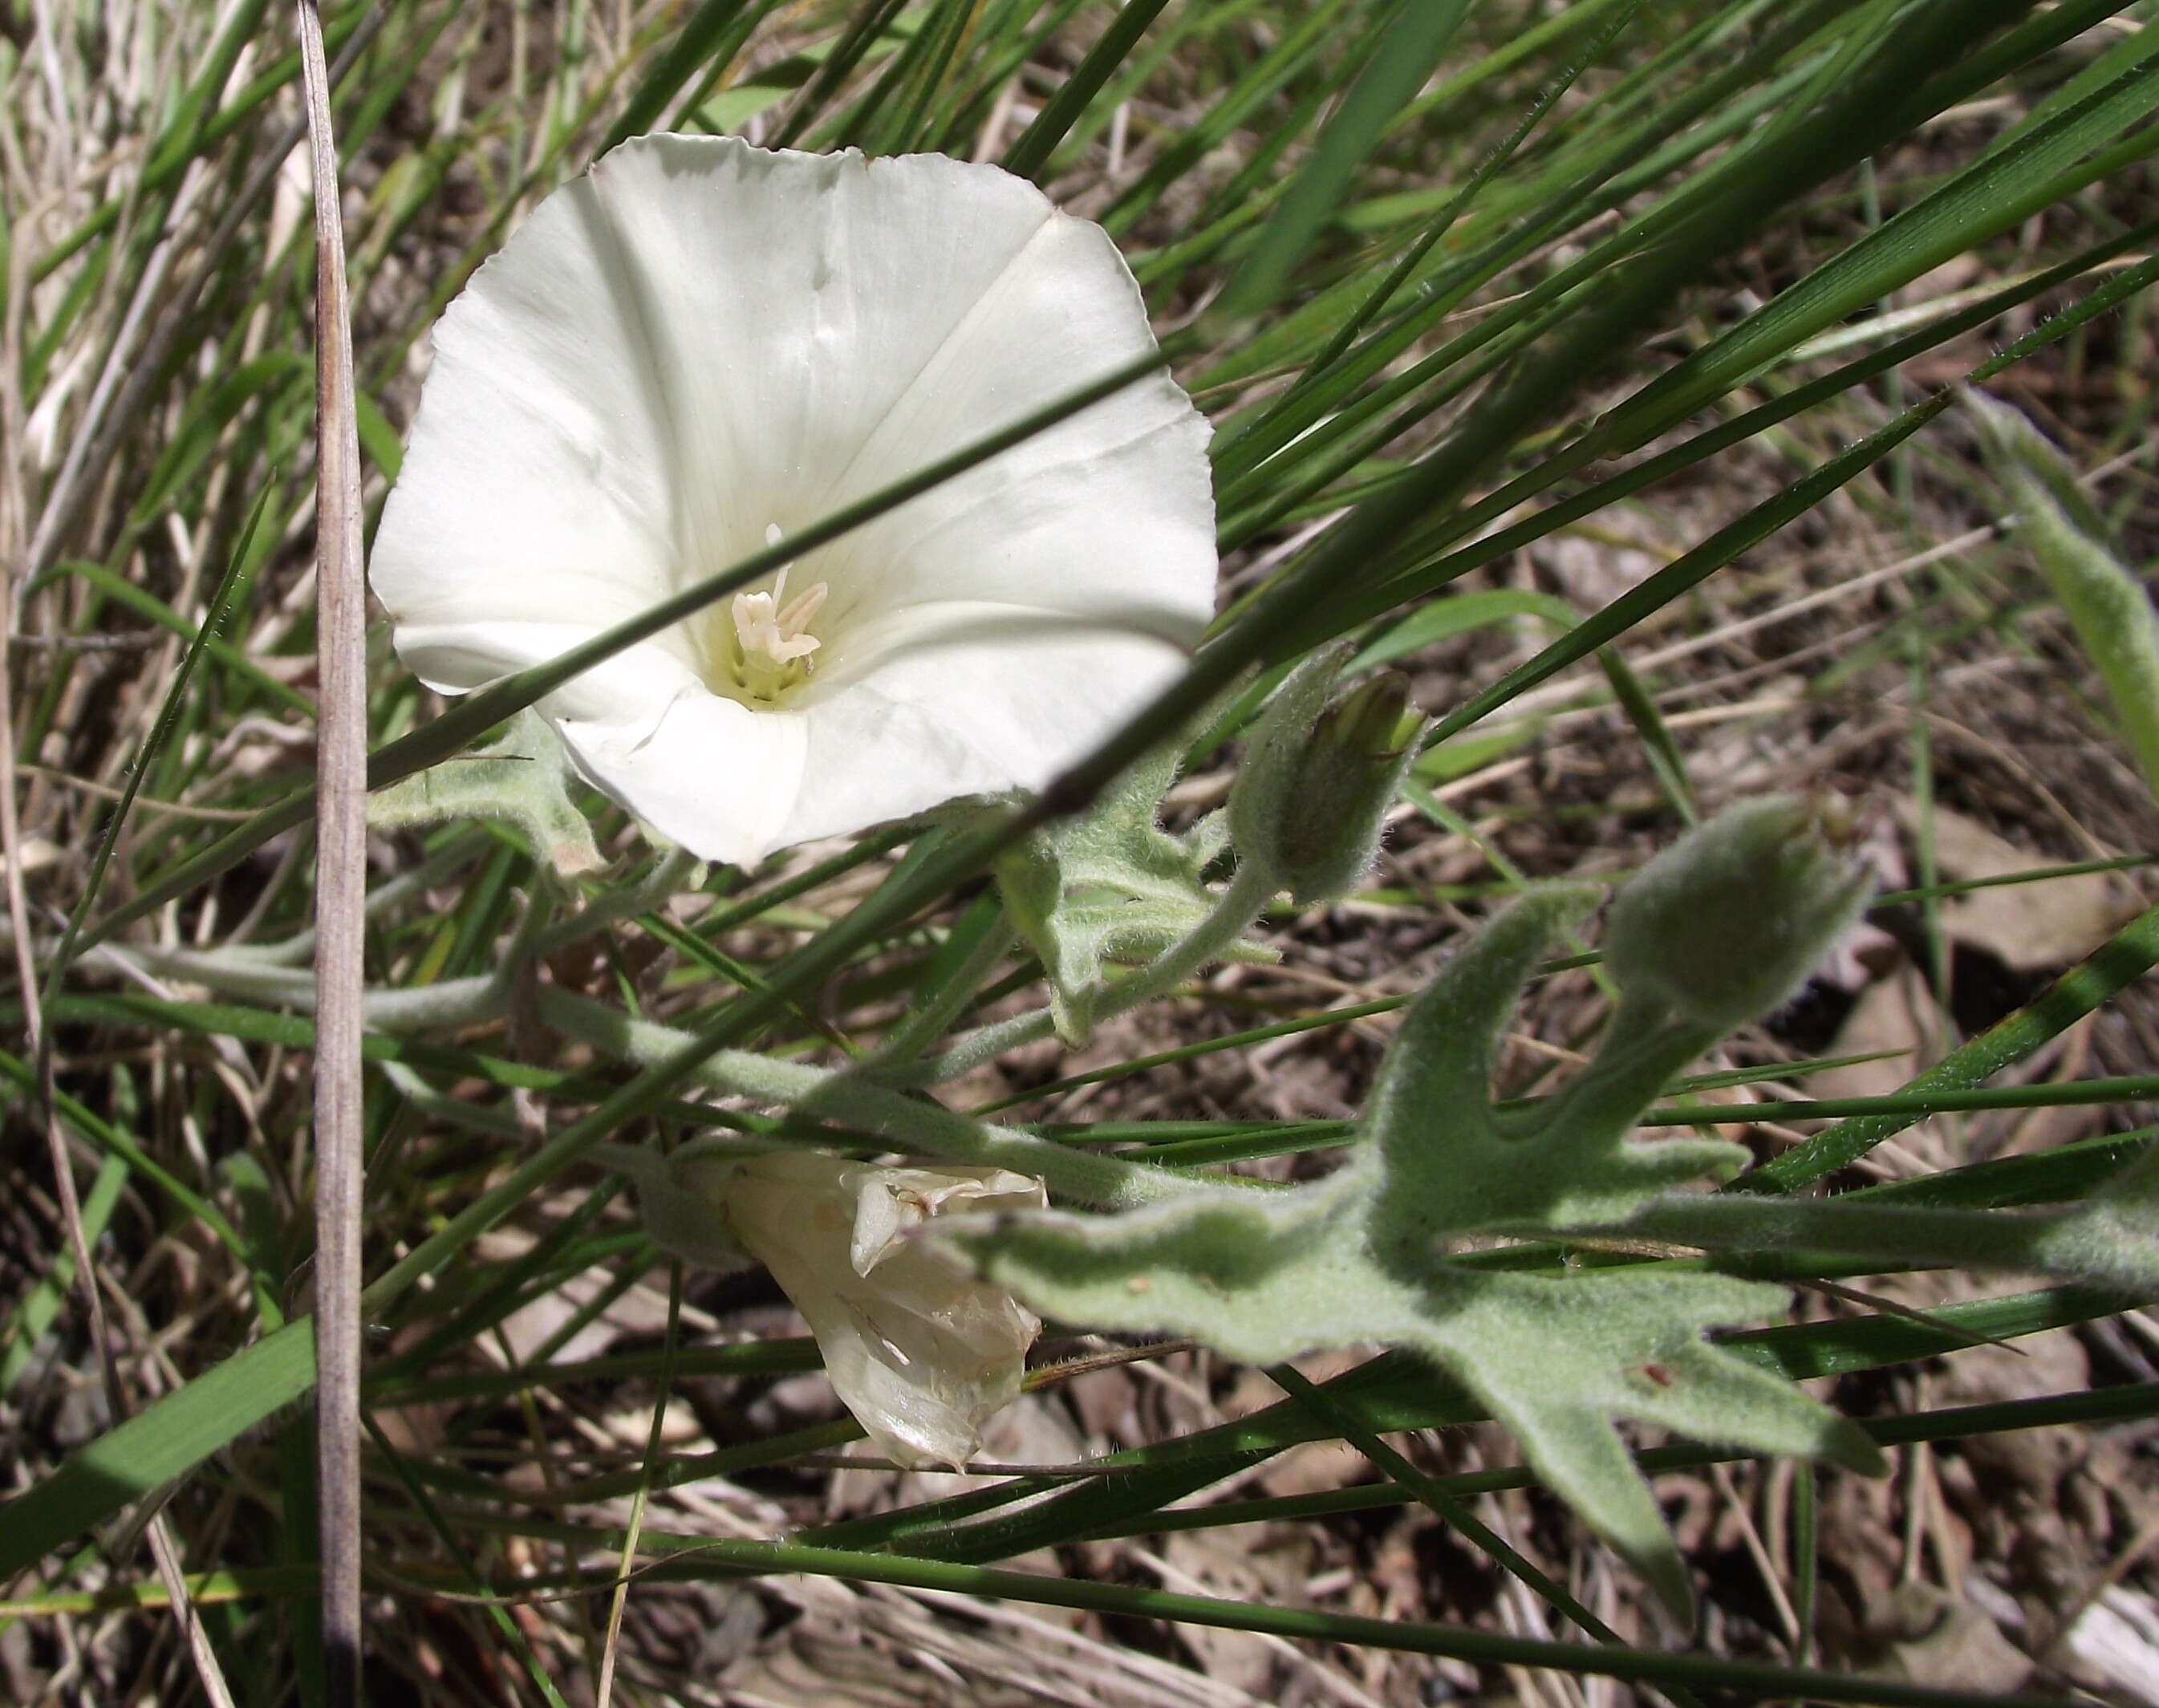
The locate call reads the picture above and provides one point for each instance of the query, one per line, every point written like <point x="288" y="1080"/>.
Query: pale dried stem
<point x="340" y="898"/>
<point x="126" y="372"/>
<point x="13" y="521"/>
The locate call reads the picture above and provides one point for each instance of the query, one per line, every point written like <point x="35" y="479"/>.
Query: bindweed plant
<point x="938" y="559"/>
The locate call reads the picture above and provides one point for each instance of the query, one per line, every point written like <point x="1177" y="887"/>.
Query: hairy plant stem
<point x="2085" y="1242"/>
<point x="381" y="900"/>
<point x="266" y="973"/>
<point x="910" y="1123"/>
<point x="454" y="1002"/>
<point x="1235" y="910"/>
<point x="670" y="877"/>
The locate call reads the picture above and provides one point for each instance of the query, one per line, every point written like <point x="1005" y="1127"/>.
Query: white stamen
<point x="807" y="604"/>
<point x="773" y="649"/>
<point x="770" y="632"/>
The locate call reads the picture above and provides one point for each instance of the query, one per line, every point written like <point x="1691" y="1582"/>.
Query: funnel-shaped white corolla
<point x="699" y="348"/>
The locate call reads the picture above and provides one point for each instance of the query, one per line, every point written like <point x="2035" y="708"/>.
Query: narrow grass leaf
<point x="2128" y="955"/>
<point x="1406" y="54"/>
<point x="1030" y="153"/>
<point x="162" y="1442"/>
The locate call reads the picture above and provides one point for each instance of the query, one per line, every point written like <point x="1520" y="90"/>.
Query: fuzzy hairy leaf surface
<point x="1383" y="1250"/>
<point x="1109" y="886"/>
<point x="523" y="780"/>
<point x="2116" y="1238"/>
<point x="2112" y="1241"/>
<point x="2104" y="598"/>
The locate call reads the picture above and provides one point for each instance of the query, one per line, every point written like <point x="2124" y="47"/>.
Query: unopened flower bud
<point x="1319" y="776"/>
<point x="1369" y="720"/>
<point x="1361" y="748"/>
<point x="1723" y="925"/>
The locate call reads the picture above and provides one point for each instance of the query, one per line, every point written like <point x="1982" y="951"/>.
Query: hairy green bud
<point x="1350" y="774"/>
<point x="1319" y="775"/>
<point x="1724" y="925"/>
<point x="681" y="1198"/>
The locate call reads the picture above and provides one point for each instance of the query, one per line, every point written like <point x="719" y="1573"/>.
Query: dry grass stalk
<point x="340" y="897"/>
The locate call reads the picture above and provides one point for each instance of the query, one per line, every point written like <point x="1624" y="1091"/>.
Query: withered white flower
<point x="700" y="347"/>
<point x="919" y="1351"/>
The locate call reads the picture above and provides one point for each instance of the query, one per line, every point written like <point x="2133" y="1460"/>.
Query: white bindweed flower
<point x="920" y="1354"/>
<point x="699" y="348"/>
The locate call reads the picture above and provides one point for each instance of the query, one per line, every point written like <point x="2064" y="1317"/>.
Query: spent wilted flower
<point x="699" y="348"/>
<point x="918" y="1350"/>
<point x="921" y="1352"/>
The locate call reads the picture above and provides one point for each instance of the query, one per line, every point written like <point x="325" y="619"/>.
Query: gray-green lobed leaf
<point x="1108" y="886"/>
<point x="1374" y="1252"/>
<point x="522" y="780"/>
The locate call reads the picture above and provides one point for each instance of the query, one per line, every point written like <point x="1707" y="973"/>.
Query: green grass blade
<point x="2128" y="954"/>
<point x="167" y="716"/>
<point x="1689" y="571"/>
<point x="1406" y="53"/>
<point x="1030" y="153"/>
<point x="162" y="1442"/>
<point x="1993" y="195"/>
<point x="712" y="28"/>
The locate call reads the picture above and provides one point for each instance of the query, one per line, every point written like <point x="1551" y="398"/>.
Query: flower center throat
<point x="769" y="649"/>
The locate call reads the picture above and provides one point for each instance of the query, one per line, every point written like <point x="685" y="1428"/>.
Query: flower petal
<point x="787" y="302"/>
<point x="705" y="772"/>
<point x="968" y="699"/>
<point x="538" y="485"/>
<point x="710" y="775"/>
<point x="700" y="342"/>
<point x="1111" y="510"/>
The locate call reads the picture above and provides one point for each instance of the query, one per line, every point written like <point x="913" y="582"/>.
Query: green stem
<point x="666" y="882"/>
<point x="383" y="899"/>
<point x="1449" y="1510"/>
<point x="731" y="1556"/>
<point x="914" y="1124"/>
<point x="1234" y="911"/>
<point x="2128" y="955"/>
<point x="451" y="1004"/>
<point x="2087" y="1242"/>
